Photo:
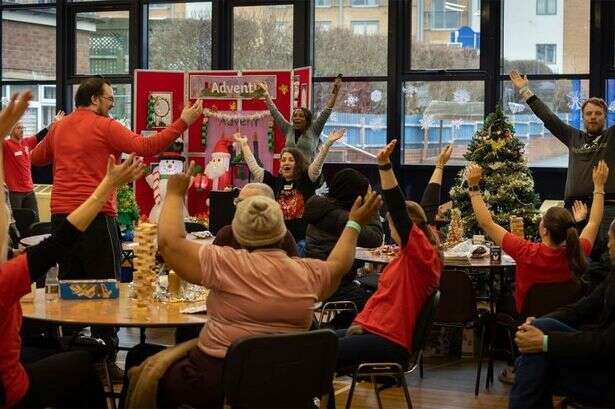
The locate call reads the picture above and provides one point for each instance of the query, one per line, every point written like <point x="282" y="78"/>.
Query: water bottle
<point x="52" y="286"/>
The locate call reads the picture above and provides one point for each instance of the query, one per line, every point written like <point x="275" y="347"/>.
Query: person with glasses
<point x="78" y="147"/>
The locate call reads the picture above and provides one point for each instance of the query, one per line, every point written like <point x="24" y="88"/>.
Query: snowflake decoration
<point x="426" y="122"/>
<point x="461" y="96"/>
<point x="515" y="108"/>
<point x="333" y="117"/>
<point x="456" y="123"/>
<point x="612" y="106"/>
<point x="574" y="100"/>
<point x="409" y="90"/>
<point x="376" y="95"/>
<point x="378" y="121"/>
<point x="351" y="100"/>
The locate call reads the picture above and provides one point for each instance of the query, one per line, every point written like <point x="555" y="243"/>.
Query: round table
<point x="33" y="240"/>
<point x="117" y="312"/>
<point x="130" y="245"/>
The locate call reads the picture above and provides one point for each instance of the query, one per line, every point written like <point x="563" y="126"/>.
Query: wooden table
<point x="118" y="312"/>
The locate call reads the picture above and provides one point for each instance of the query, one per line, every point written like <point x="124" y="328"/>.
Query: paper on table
<point x="196" y="309"/>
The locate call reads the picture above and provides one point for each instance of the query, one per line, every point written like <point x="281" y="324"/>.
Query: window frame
<point x="546" y="4"/>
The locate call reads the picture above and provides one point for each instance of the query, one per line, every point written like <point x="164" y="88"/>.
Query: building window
<point x="546" y="53"/>
<point x="445" y="15"/>
<point x="364" y="3"/>
<point x="364" y="27"/>
<point x="323" y="3"/>
<point x="322" y="26"/>
<point x="546" y="7"/>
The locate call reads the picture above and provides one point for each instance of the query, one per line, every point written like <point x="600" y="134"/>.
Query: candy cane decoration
<point x="156" y="187"/>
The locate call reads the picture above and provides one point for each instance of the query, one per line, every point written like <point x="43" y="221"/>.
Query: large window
<point x="546" y="7"/>
<point x="263" y="37"/>
<point x="184" y="28"/>
<point x="610" y="101"/>
<point x="42" y="107"/>
<point x="122" y="105"/>
<point x="29" y="44"/>
<point x="102" y="43"/>
<point x="445" y="35"/>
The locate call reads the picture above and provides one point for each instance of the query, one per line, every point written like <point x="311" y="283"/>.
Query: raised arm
<point x="599" y="176"/>
<point x="431" y="196"/>
<point x="342" y="256"/>
<point x="552" y="122"/>
<point x="315" y="167"/>
<point x="483" y="216"/>
<point x="273" y="110"/>
<point x="13" y="111"/>
<point x="319" y="122"/>
<point x="179" y="253"/>
<point x="248" y="157"/>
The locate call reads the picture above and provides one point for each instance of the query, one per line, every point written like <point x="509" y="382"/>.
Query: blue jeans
<point x="301" y="248"/>
<point x="538" y="378"/>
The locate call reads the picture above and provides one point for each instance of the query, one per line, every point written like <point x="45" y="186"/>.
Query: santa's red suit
<point x="218" y="171"/>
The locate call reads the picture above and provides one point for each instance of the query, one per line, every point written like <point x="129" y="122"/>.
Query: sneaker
<point x="507" y="375"/>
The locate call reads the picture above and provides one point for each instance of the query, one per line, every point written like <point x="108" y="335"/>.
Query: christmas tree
<point x="507" y="185"/>
<point x="151" y="107"/>
<point x="127" y="209"/>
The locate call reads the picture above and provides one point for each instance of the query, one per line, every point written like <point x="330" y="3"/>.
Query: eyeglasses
<point x="110" y="99"/>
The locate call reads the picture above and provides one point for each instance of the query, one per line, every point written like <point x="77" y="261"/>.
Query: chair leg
<point x="111" y="393"/>
<point x="404" y="385"/>
<point x="481" y="348"/>
<point x="351" y="392"/>
<point x="373" y="378"/>
<point x="421" y="364"/>
<point x="489" y="380"/>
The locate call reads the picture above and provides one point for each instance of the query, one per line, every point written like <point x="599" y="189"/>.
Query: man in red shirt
<point x="17" y="166"/>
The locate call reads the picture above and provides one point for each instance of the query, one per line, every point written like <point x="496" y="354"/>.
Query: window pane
<point x="39" y="113"/>
<point x="102" y="43"/>
<point x="440" y="113"/>
<point x="355" y="41"/>
<point x="360" y="108"/>
<point x="28" y="1"/>
<point x="121" y="111"/>
<point x="565" y="29"/>
<point x="263" y="37"/>
<point x="610" y="101"/>
<point x="184" y="28"/>
<point x="445" y="34"/>
<point x="564" y="98"/>
<point x="29" y="44"/>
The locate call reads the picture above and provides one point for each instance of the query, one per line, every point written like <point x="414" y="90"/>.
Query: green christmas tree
<point x="127" y="208"/>
<point x="151" y="107"/>
<point x="507" y="185"/>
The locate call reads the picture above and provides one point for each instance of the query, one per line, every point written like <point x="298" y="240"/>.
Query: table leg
<point x="142" y="335"/>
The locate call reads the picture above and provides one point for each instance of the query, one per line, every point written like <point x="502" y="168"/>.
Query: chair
<point x="280" y="371"/>
<point x="193" y="226"/>
<point x="457" y="308"/>
<point x="24" y="219"/>
<point x="396" y="370"/>
<point x="39" y="228"/>
<point x="330" y="310"/>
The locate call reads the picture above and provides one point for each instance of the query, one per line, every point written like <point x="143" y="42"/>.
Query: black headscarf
<point x="346" y="185"/>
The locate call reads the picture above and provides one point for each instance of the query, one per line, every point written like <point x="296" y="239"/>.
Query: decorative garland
<point x="204" y="131"/>
<point x="151" y="108"/>
<point x="236" y="118"/>
<point x="270" y="138"/>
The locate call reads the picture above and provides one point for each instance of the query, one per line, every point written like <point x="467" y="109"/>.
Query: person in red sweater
<point x="17" y="166"/>
<point x="561" y="254"/>
<point x="383" y="331"/>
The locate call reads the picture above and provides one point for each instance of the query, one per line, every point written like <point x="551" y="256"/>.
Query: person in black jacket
<point x="569" y="352"/>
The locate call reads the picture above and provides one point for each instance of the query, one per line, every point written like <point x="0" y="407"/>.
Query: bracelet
<point x="526" y="92"/>
<point x="351" y="224"/>
<point x="545" y="343"/>
<point x="474" y="188"/>
<point x="386" y="166"/>
<point x="598" y="193"/>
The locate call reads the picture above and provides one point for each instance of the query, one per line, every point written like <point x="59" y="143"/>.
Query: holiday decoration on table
<point x="127" y="210"/>
<point x="455" y="229"/>
<point x="507" y="185"/>
<point x="145" y="262"/>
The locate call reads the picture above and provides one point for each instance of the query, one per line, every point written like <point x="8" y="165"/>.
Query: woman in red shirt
<point x="562" y="253"/>
<point x="383" y="331"/>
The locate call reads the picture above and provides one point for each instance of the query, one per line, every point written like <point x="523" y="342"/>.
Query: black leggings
<point x="64" y="380"/>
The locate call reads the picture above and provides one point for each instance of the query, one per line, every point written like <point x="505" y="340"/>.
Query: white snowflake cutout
<point x="515" y="108"/>
<point x="426" y="122"/>
<point x="351" y="100"/>
<point x="376" y="95"/>
<point x="409" y="89"/>
<point x="456" y="123"/>
<point x="333" y="117"/>
<point x="612" y="106"/>
<point x="574" y="100"/>
<point x="461" y="96"/>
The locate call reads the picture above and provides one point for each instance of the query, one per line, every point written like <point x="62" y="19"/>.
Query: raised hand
<point x="240" y="139"/>
<point x="59" y="116"/>
<point x="263" y="88"/>
<point x="365" y="207"/>
<point x="384" y="156"/>
<point x="337" y="84"/>
<point x="179" y="183"/>
<point x="473" y="174"/>
<point x="336" y="135"/>
<point x="579" y="211"/>
<point x="444" y="156"/>
<point x="518" y="80"/>
<point x="191" y="113"/>
<point x="129" y="170"/>
<point x="14" y="110"/>
<point x="599" y="175"/>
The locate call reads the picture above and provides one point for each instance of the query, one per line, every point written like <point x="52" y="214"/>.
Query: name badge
<point x="289" y="186"/>
<point x="18" y="153"/>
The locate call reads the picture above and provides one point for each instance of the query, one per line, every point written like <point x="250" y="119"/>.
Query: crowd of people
<point x="288" y="248"/>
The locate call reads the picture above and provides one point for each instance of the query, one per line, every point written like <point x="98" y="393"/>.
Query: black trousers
<point x="64" y="380"/>
<point x="24" y="200"/>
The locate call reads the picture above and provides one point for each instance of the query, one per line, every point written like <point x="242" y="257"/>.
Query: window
<point x="263" y="37"/>
<point x="122" y="108"/>
<point x="322" y="26"/>
<point x="446" y="15"/>
<point x="40" y="110"/>
<point x="29" y="44"/>
<point x="610" y="102"/>
<point x="102" y="43"/>
<point x="28" y="1"/>
<point x="546" y="53"/>
<point x="546" y="7"/>
<point x="364" y="3"/>
<point x="322" y="3"/>
<point x="49" y="92"/>
<point x="364" y="27"/>
<point x="177" y="31"/>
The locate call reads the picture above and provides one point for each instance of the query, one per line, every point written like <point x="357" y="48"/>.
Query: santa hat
<point x="222" y="148"/>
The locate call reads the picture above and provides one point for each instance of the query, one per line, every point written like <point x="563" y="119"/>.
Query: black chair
<point x="191" y="227"/>
<point x="39" y="228"/>
<point x="457" y="308"/>
<point x="24" y="219"/>
<point x="394" y="369"/>
<point x="332" y="308"/>
<point x="280" y="371"/>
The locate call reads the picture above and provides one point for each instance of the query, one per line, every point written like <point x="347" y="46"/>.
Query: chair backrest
<point x="543" y="298"/>
<point x="193" y="226"/>
<point x="23" y="219"/>
<point x="423" y="323"/>
<point x="280" y="371"/>
<point x="39" y="228"/>
<point x="457" y="298"/>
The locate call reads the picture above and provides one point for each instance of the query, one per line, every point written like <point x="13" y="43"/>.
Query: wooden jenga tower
<point x="144" y="262"/>
<point x="455" y="228"/>
<point x="516" y="226"/>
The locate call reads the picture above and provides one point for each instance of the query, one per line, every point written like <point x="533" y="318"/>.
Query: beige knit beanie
<point x="258" y="222"/>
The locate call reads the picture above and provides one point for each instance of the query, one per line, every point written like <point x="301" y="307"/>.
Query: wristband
<point x="598" y="193"/>
<point x="526" y="92"/>
<point x="474" y="188"/>
<point x="545" y="343"/>
<point x="386" y="166"/>
<point x="351" y="224"/>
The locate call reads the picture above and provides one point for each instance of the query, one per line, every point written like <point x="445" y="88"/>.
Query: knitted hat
<point x="346" y="185"/>
<point x="258" y="222"/>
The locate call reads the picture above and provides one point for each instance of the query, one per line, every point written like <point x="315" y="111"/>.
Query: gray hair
<point x="259" y="189"/>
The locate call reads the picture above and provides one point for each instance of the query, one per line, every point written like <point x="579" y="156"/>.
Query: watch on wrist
<point x="473" y="188"/>
<point x="385" y="166"/>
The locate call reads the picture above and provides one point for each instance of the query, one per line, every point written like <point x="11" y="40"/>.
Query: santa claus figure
<point x="218" y="168"/>
<point x="170" y="164"/>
